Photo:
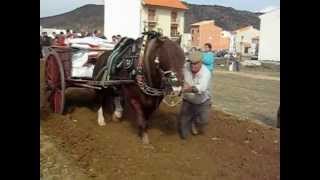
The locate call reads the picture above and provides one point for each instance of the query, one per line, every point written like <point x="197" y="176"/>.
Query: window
<point x="151" y="26"/>
<point x="246" y="50"/>
<point x="174" y="16"/>
<point x="174" y="31"/>
<point x="151" y="14"/>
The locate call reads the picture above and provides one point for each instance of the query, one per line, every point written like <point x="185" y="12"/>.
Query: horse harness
<point x="126" y="53"/>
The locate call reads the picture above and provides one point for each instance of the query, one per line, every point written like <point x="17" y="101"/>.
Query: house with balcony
<point x="131" y="17"/>
<point x="168" y="16"/>
<point x="208" y="32"/>
<point x="247" y="41"/>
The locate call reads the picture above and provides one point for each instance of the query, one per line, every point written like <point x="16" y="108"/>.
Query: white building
<point x="186" y="42"/>
<point x="130" y="17"/>
<point x="246" y="40"/>
<point x="122" y="17"/>
<point x="269" y="46"/>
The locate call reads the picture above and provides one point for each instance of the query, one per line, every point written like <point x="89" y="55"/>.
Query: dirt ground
<point x="73" y="146"/>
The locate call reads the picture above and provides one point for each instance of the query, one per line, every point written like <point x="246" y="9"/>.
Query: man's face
<point x="195" y="67"/>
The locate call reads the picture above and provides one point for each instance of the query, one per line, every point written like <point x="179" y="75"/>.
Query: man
<point x="196" y="97"/>
<point x="96" y="33"/>
<point x="41" y="56"/>
<point x="46" y="42"/>
<point x="54" y="35"/>
<point x="114" y="39"/>
<point x="61" y="39"/>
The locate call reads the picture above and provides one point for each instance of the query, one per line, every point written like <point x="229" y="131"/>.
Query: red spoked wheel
<point x="55" y="82"/>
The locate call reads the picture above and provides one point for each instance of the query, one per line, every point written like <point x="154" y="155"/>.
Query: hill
<point x="90" y="17"/>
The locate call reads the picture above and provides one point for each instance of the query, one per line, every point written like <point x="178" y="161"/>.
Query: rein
<point x="169" y="98"/>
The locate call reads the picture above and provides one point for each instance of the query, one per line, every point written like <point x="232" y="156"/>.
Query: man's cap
<point x="195" y="57"/>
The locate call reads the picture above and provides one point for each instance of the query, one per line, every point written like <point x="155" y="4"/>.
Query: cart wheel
<point x="55" y="82"/>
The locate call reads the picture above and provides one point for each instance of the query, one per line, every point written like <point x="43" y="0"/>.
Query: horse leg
<point x="142" y="126"/>
<point x="117" y="114"/>
<point x="101" y="120"/>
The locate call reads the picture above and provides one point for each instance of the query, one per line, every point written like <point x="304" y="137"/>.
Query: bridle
<point x="168" y="78"/>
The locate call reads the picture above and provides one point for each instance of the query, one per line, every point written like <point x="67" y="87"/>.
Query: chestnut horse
<point x="161" y="69"/>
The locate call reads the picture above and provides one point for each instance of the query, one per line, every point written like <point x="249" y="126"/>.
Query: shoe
<point x="194" y="130"/>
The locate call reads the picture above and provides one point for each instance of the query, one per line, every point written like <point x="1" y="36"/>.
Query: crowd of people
<point x="63" y="39"/>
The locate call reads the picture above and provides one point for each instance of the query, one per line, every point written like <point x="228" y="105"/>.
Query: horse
<point x="160" y="65"/>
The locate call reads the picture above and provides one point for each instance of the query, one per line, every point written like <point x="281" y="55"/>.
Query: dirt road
<point x="230" y="150"/>
<point x="73" y="146"/>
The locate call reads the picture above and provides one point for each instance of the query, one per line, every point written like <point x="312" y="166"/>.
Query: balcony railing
<point x="152" y="19"/>
<point x="174" y="20"/>
<point x="174" y="34"/>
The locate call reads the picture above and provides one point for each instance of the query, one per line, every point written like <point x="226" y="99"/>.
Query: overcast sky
<point x="54" y="7"/>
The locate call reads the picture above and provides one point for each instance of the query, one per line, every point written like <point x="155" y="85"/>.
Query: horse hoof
<point x="145" y="139"/>
<point x="101" y="122"/>
<point x="115" y="118"/>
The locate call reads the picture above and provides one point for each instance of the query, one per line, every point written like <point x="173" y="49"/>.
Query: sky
<point x="54" y="7"/>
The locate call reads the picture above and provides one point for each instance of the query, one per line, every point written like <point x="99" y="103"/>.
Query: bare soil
<point x="231" y="149"/>
<point x="73" y="146"/>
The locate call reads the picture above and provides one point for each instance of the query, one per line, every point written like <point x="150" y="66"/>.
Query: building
<point x="270" y="36"/>
<point x="208" y="32"/>
<point x="247" y="41"/>
<point x="137" y="15"/>
<point x="186" y="42"/>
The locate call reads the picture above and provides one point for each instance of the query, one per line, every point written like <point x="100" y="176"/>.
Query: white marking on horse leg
<point x="145" y="138"/>
<point x="101" y="121"/>
<point x="117" y="114"/>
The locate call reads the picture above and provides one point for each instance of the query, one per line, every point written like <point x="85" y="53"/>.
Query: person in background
<point x="69" y="33"/>
<point x="196" y="97"/>
<point x="208" y="57"/>
<point x="41" y="56"/>
<point x="61" y="39"/>
<point x="46" y="42"/>
<point x="96" y="33"/>
<point x="119" y="37"/>
<point x="69" y="36"/>
<point x="114" y="39"/>
<point x="54" y="35"/>
<point x="74" y="34"/>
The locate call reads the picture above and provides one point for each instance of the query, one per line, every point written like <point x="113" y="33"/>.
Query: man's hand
<point x="187" y="88"/>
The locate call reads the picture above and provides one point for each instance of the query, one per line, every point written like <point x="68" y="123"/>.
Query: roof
<point x="166" y="3"/>
<point x="202" y="22"/>
<point x="277" y="10"/>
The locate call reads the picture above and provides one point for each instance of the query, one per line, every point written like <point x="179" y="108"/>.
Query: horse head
<point x="164" y="60"/>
